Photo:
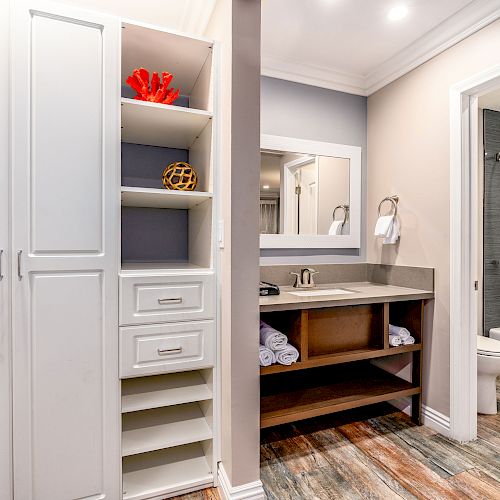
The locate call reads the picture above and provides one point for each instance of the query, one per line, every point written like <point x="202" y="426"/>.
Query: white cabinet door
<point x="5" y="382"/>
<point x="65" y="253"/>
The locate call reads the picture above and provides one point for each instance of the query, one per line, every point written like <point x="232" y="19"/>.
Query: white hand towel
<point x="383" y="225"/>
<point x="271" y="338"/>
<point x="394" y="233"/>
<point x="408" y="340"/>
<point x="335" y="228"/>
<point x="399" y="331"/>
<point x="287" y="356"/>
<point x="266" y="356"/>
<point x="395" y="340"/>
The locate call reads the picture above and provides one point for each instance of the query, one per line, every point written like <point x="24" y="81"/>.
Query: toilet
<point x="488" y="368"/>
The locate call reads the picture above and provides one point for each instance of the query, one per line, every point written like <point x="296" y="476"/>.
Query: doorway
<point x="465" y="256"/>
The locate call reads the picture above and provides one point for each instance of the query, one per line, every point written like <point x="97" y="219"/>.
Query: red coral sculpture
<point x="159" y="92"/>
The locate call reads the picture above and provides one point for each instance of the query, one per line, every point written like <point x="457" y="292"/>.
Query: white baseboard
<point x="248" y="491"/>
<point x="430" y="417"/>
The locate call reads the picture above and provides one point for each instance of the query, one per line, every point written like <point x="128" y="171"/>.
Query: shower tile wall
<point x="491" y="221"/>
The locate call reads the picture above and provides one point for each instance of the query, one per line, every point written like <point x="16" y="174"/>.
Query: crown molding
<point x="453" y="30"/>
<point x="309" y="74"/>
<point x="456" y="28"/>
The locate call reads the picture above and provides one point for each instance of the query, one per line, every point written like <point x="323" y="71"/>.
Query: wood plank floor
<point x="375" y="453"/>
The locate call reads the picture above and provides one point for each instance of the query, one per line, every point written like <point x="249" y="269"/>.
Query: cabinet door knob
<point x="1" y="268"/>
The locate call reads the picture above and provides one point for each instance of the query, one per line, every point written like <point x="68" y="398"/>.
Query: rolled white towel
<point x="266" y="356"/>
<point x="383" y="226"/>
<point x="271" y="338"/>
<point x="399" y="331"/>
<point x="335" y="228"/>
<point x="409" y="340"/>
<point x="287" y="356"/>
<point x="395" y="340"/>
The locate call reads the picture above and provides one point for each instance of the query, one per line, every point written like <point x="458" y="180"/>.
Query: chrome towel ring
<point x="345" y="208"/>
<point x="394" y="200"/>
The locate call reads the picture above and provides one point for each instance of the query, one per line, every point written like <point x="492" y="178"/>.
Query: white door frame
<point x="464" y="240"/>
<point x="290" y="214"/>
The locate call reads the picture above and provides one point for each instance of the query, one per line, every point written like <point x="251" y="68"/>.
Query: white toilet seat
<point x="488" y="347"/>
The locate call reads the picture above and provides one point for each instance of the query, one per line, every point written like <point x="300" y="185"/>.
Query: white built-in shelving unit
<point x="169" y="421"/>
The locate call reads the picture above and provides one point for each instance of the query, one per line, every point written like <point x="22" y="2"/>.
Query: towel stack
<point x="274" y="347"/>
<point x="388" y="227"/>
<point x="399" y="336"/>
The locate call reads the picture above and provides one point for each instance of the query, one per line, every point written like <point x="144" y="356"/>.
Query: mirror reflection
<point x="303" y="194"/>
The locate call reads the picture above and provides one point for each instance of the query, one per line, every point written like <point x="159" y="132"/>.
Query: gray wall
<point x="306" y="112"/>
<point x="491" y="222"/>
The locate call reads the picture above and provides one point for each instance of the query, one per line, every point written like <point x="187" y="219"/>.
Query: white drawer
<point x="157" y="299"/>
<point x="156" y="349"/>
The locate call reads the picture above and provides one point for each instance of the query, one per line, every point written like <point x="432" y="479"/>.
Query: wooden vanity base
<point x="334" y="372"/>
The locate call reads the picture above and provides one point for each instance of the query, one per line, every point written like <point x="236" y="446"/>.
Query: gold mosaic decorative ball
<point x="180" y="176"/>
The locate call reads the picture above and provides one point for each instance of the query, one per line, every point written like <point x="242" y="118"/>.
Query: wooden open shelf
<point x="311" y="396"/>
<point x="341" y="357"/>
<point x="342" y="340"/>
<point x="162" y="198"/>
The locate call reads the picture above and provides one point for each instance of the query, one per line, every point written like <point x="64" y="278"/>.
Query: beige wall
<point x="409" y="155"/>
<point x="333" y="190"/>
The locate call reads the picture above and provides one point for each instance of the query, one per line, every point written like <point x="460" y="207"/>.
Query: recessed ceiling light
<point x="397" y="13"/>
<point x="265" y="186"/>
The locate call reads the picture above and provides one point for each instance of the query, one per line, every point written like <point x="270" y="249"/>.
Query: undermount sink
<point x="318" y="292"/>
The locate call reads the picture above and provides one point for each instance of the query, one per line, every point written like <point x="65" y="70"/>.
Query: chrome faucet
<point x="304" y="279"/>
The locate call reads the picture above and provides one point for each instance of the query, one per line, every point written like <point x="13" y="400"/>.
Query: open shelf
<point x="188" y="59"/>
<point x="341" y="357"/>
<point x="162" y="472"/>
<point x="161" y="428"/>
<point x="163" y="390"/>
<point x="161" y="125"/>
<point x="159" y="267"/>
<point x="166" y="235"/>
<point x="297" y="396"/>
<point x="162" y="198"/>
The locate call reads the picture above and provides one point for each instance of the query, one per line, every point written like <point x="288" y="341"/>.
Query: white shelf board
<point x="162" y="198"/>
<point x="159" y="268"/>
<point x="163" y="390"/>
<point x="161" y="125"/>
<point x="158" y="50"/>
<point x="161" y="428"/>
<point x="160" y="473"/>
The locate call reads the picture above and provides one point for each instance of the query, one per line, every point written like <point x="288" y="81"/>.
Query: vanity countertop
<point x="364" y="293"/>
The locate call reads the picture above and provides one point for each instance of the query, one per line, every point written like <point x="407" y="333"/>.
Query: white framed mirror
<point x="310" y="194"/>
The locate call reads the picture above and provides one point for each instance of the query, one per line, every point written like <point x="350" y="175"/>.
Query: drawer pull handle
<point x="166" y="352"/>
<point x="170" y="301"/>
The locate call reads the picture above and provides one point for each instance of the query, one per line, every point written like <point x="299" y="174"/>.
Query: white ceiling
<point x="350" y="45"/>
